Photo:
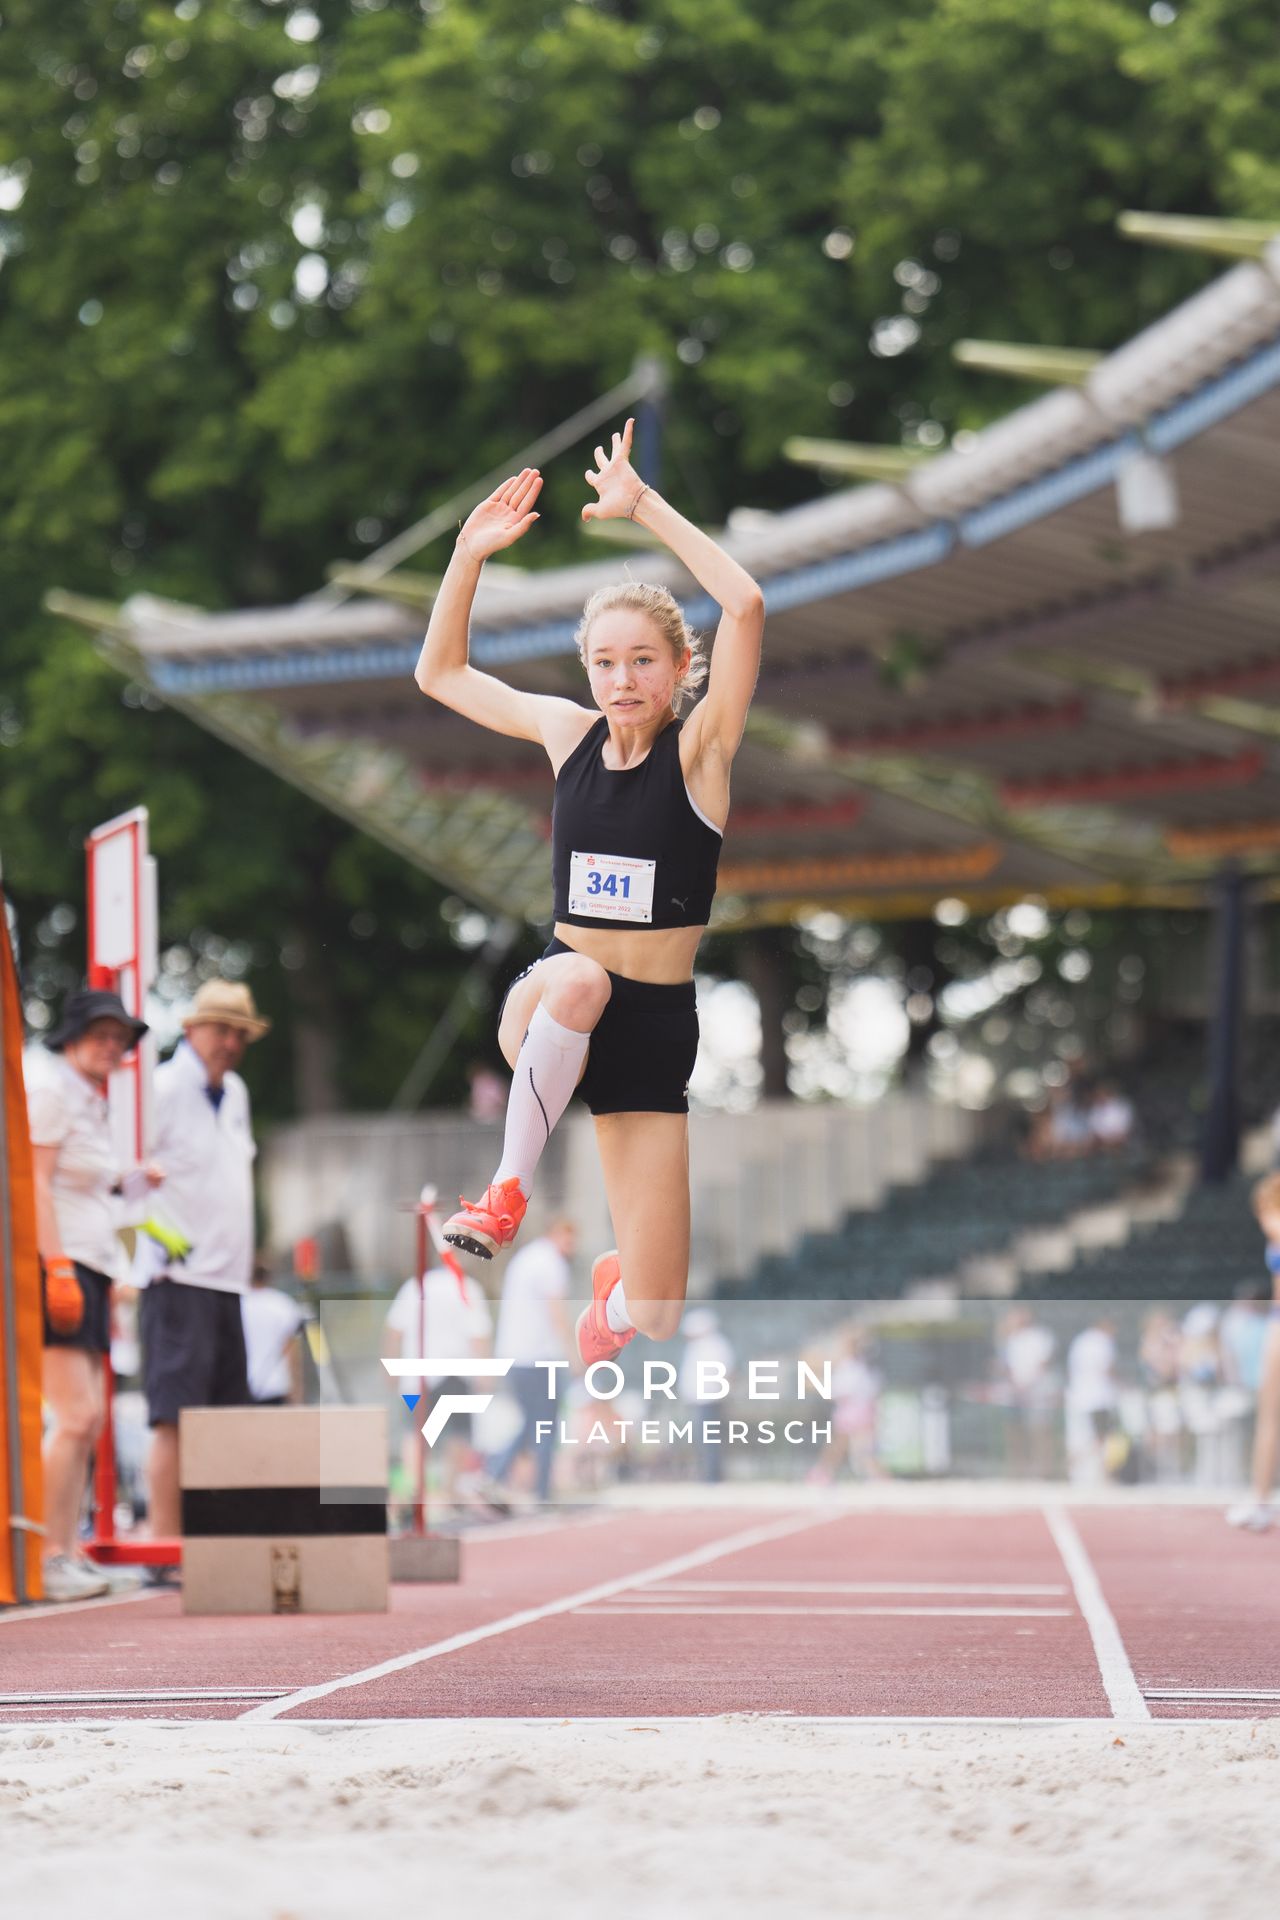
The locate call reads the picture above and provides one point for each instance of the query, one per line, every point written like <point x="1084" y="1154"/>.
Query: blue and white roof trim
<point x="1211" y="357"/>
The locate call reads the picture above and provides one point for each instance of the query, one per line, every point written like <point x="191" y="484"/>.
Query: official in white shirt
<point x="79" y="1212"/>
<point x="197" y="1261"/>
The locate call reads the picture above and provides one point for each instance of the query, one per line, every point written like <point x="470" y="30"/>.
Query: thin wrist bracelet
<point x="636" y="502"/>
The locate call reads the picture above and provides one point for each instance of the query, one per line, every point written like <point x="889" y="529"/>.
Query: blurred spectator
<point x="1242" y="1335"/>
<point x="1026" y="1353"/>
<point x="78" y="1186"/>
<point x="1199" y="1360"/>
<point x="1061" y="1131"/>
<point x="1258" y="1514"/>
<point x="1091" y="1400"/>
<point x="195" y="1256"/>
<point x="447" y="1316"/>
<point x="704" y="1346"/>
<point x="1159" y="1362"/>
<point x="855" y="1390"/>
<point x="488" y="1097"/>
<point x="533" y="1325"/>
<point x="1200" y="1380"/>
<point x="1111" y="1118"/>
<point x="272" y="1322"/>
<point x="1159" y="1351"/>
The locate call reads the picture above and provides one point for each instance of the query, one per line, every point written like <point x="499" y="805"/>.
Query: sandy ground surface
<point x="723" y="1819"/>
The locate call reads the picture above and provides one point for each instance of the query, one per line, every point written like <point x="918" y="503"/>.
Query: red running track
<point x="825" y="1611"/>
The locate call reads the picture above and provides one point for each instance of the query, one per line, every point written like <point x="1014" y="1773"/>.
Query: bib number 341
<point x="608" y="886"/>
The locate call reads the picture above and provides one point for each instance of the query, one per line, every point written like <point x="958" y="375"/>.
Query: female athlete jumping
<point x="641" y="801"/>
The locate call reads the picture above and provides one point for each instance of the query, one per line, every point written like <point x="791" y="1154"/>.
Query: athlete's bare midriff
<point x="660" y="956"/>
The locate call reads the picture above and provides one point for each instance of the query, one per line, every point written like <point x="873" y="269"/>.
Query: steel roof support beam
<point x="1051" y="366"/>
<point x="646" y="379"/>
<point x="860" y="460"/>
<point x="1237" y="239"/>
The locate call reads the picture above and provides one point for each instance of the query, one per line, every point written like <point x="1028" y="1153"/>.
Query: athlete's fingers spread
<point x="602" y="459"/>
<point x="589" y="511"/>
<point x="592" y="479"/>
<point x="627" y="432"/>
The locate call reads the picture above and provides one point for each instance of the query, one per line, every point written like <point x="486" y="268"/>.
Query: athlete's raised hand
<point x="618" y="486"/>
<point x="504" y="517"/>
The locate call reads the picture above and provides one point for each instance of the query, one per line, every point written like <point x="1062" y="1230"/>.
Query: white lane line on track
<point x="136" y="1696"/>
<point x="915" y="1587"/>
<point x="529" y="1616"/>
<point x="551" y="1724"/>
<point x="1212" y="1693"/>
<point x="58" y="1610"/>
<point x="880" y="1613"/>
<point x="1119" y="1684"/>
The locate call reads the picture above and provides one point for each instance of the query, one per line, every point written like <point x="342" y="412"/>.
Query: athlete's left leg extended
<point x="645" y="1161"/>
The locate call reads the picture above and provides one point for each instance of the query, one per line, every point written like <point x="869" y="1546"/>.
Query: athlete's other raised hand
<point x="617" y="484"/>
<point x="504" y="517"/>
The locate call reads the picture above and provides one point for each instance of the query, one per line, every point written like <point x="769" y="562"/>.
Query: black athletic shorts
<point x="643" y="1047"/>
<point x="192" y="1350"/>
<point x="93" y="1335"/>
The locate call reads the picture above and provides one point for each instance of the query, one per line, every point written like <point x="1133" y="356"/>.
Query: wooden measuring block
<point x="284" y="1509"/>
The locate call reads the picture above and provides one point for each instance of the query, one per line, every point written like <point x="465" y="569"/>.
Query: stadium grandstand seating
<point x="1212" y="1247"/>
<point x="924" y="1233"/>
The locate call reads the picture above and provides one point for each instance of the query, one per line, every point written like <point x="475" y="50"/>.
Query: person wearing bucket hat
<point x="195" y="1258"/>
<point x="85" y="1007"/>
<point x="79" y="1185"/>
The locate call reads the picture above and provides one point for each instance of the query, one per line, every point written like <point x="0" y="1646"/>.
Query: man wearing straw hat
<point x="195" y="1258"/>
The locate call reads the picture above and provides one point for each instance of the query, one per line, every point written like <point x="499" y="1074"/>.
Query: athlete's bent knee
<point x="656" y="1319"/>
<point x="577" y="993"/>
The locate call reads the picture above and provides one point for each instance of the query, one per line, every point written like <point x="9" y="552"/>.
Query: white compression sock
<point x="546" y="1074"/>
<point x="615" y="1310"/>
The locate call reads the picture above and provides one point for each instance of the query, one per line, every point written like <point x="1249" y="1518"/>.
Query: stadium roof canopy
<point x="1046" y="664"/>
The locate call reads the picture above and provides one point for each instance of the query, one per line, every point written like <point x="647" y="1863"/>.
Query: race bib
<point x="608" y="886"/>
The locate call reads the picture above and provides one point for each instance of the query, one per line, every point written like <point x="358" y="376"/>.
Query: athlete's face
<point x="631" y="668"/>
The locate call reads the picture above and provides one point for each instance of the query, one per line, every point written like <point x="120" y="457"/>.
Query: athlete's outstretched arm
<point x="444" y="670"/>
<point x="735" y="657"/>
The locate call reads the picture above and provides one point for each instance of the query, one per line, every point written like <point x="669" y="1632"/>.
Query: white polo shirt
<point x="455" y="1320"/>
<point x="66" y="1111"/>
<point x="271" y="1320"/>
<point x="527" y="1331"/>
<point x="207" y="1156"/>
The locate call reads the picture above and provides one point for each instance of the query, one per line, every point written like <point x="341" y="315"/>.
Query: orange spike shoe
<point x="596" y="1338"/>
<point x="485" y="1226"/>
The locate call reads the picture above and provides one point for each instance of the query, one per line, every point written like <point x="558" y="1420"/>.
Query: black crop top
<point x="628" y="847"/>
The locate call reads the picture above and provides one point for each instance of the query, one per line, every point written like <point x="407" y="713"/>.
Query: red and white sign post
<point x="121" y="887"/>
<point x="123" y="956"/>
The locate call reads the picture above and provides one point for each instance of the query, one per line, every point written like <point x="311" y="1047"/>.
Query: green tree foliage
<point x="275" y="278"/>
